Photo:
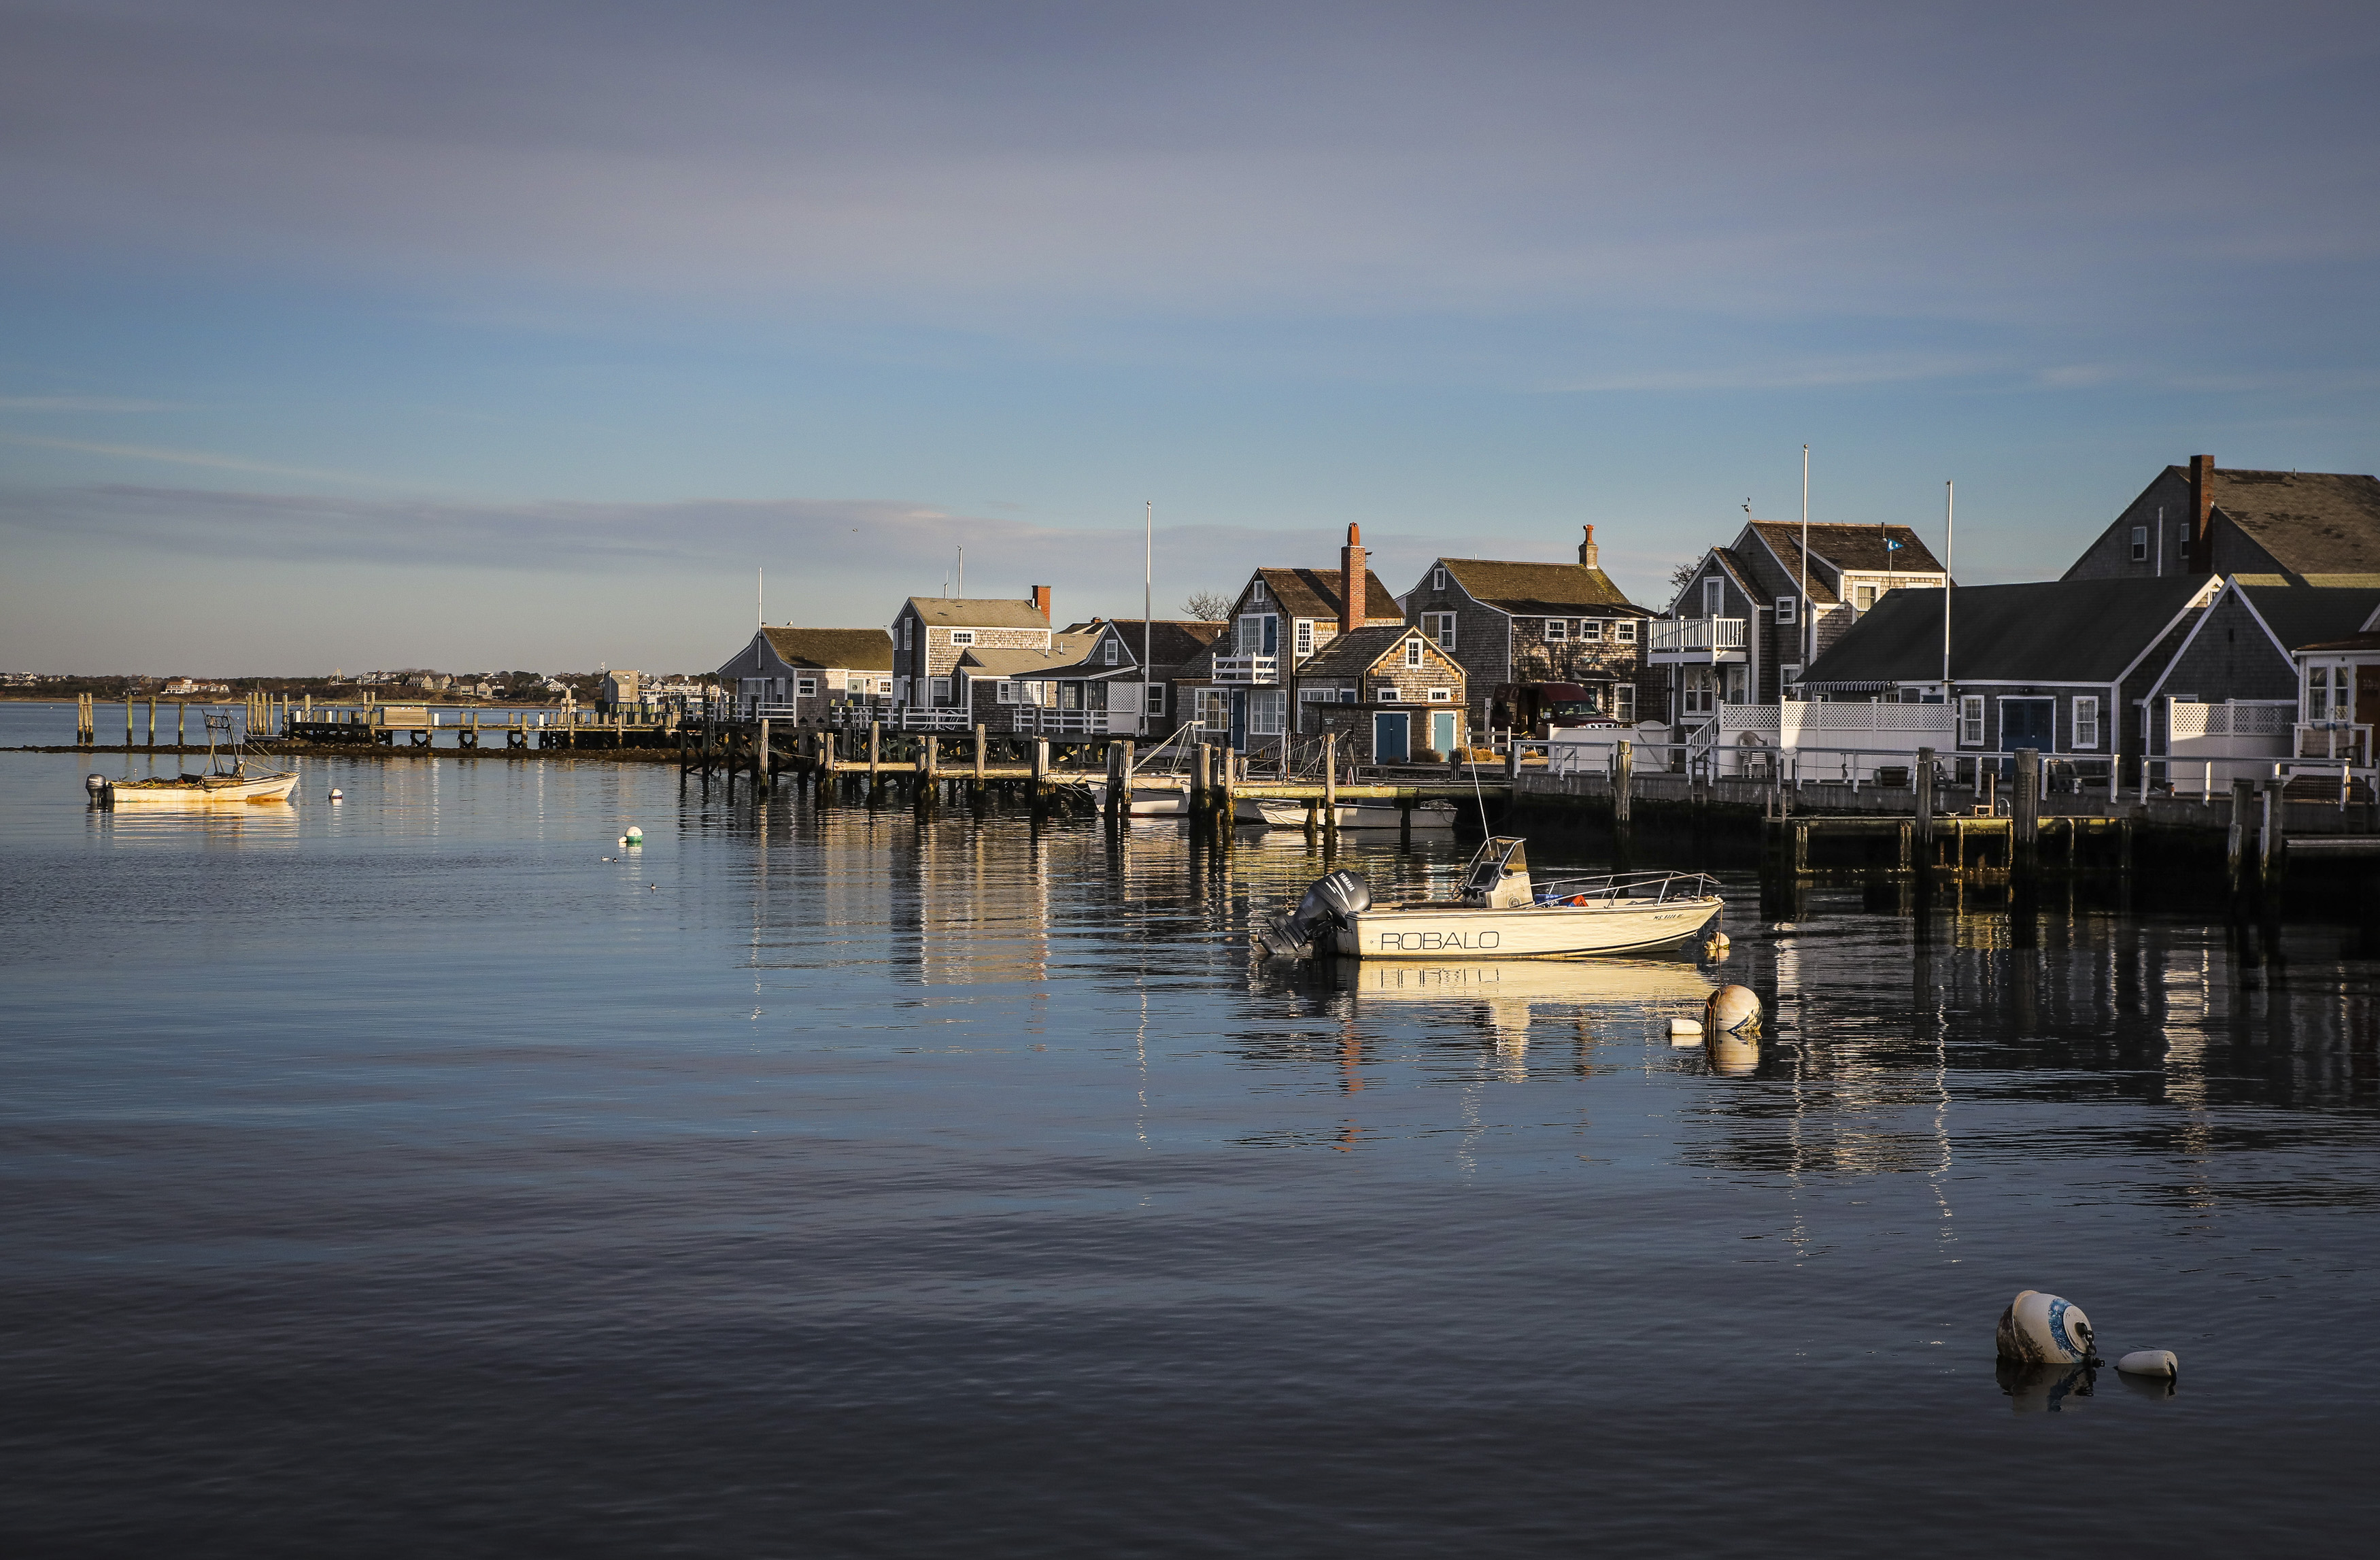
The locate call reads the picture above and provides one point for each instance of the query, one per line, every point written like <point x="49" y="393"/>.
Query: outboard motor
<point x="1334" y="899"/>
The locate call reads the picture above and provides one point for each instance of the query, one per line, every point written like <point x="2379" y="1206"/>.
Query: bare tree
<point x="1207" y="607"/>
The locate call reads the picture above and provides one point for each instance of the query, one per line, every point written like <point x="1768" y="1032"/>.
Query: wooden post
<point x="1623" y="775"/>
<point x="978" y="755"/>
<point x="1512" y="758"/>
<point x="1925" y="778"/>
<point x="1115" y="778"/>
<point x="930" y="759"/>
<point x="1126" y="768"/>
<point x="1202" y="778"/>
<point x="2025" y="806"/>
<point x="153" y="724"/>
<point x="2276" y="807"/>
<point x="763" y="770"/>
<point x="181" y="712"/>
<point x="1330" y="781"/>
<point x="875" y="748"/>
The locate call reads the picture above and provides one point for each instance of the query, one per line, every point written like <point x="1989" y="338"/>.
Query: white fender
<point x="2039" y="1329"/>
<point x="2151" y="1362"/>
<point x="1730" y="1008"/>
<point x="1686" y="1031"/>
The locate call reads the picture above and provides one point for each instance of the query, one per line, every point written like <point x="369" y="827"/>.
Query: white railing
<point x="1686" y="634"/>
<point x="2335" y="741"/>
<point x="1247" y="668"/>
<point x="2230" y="718"/>
<point x="1804" y="720"/>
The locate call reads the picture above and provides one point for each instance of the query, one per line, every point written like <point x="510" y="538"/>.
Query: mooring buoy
<point x="1732" y="1008"/>
<point x="2039" y="1329"/>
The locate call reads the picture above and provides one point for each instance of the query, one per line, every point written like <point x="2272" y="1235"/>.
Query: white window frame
<point x="805" y="688"/>
<point x="1971" y="720"/>
<point x="1301" y="636"/>
<point x="1625" y="631"/>
<point x="1413" y="653"/>
<point x="1442" y="627"/>
<point x="1623" y="702"/>
<point x="1714" y="595"/>
<point x="1864" y="597"/>
<point x="908" y="633"/>
<point x="938" y="692"/>
<point x="1212" y="706"/>
<point x="962" y="638"/>
<point x="1590" y="630"/>
<point x="1318" y="695"/>
<point x="2140" y="544"/>
<point x="1441" y="696"/>
<point x="1787" y="610"/>
<point x="1438" y="577"/>
<point x="1004" y="691"/>
<point x="1385" y="696"/>
<point x="1256" y="594"/>
<point x="1268" y="711"/>
<point x="1110" y="651"/>
<point x="1156" y="698"/>
<point x="1557" y="629"/>
<point x="2085" y="734"/>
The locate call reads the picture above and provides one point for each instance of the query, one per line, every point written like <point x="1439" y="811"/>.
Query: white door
<point x="1124" y="709"/>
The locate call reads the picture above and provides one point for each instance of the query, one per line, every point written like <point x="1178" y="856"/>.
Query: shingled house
<point x="1753" y="613"/>
<point x="1172" y="644"/>
<point x="2261" y="678"/>
<point x="1522" y="630"/>
<point x="797" y="673"/>
<point x="1078" y="684"/>
<point x="1390" y="692"/>
<point x="930" y="633"/>
<point x="2299" y="527"/>
<point x="1238" y="687"/>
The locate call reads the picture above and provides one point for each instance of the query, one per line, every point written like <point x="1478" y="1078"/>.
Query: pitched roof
<point x="1172" y="642"/>
<point x="2353" y="641"/>
<point x="1551" y="589"/>
<point x="1862" y="548"/>
<point x="2058" y="630"/>
<point x="1352" y="654"/>
<point x="1314" y="592"/>
<point x="2312" y="522"/>
<point x="2306" y="614"/>
<point x="962" y="611"/>
<point x="858" y="650"/>
<point x="1067" y="653"/>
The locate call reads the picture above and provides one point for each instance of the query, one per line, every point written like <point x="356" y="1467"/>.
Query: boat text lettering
<point x="1438" y="942"/>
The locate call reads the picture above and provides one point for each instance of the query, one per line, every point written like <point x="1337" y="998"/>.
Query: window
<point x="1699" y="692"/>
<point x="2140" y="544"/>
<point x="1441" y="696"/>
<point x="1624" y="630"/>
<point x="2317" y="693"/>
<point x="1413" y="653"/>
<point x="1556" y="628"/>
<point x="805" y="688"/>
<point x="942" y="687"/>
<point x="1305" y="638"/>
<point x="1004" y="692"/>
<point x="1070" y="695"/>
<point x="1214" y="707"/>
<point x="1386" y="693"/>
<point x="1864" y="597"/>
<point x="1108" y="652"/>
<point x="1591" y="630"/>
<point x="1439" y="627"/>
<point x="884" y="685"/>
<point x="906" y="625"/>
<point x="903" y="693"/>
<point x="2087" y="722"/>
<point x="1257" y="592"/>
<point x="1623" y="704"/>
<point x="1714" y="596"/>
<point x="1438" y="578"/>
<point x="1971" y="720"/>
<point x="1157" y="699"/>
<point x="961" y="637"/>
<point x="1267" y="712"/>
<point x="1787" y="606"/>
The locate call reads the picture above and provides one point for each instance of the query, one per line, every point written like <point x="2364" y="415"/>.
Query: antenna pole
<point x="1809" y="632"/>
<point x="2160" y="552"/>
<point x="760" y="599"/>
<point x="1949" y="531"/>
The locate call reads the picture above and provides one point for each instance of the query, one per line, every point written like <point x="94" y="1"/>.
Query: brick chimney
<point x="1587" y="548"/>
<point x="2201" y="503"/>
<point x="1042" y="602"/>
<point x="1352" y="569"/>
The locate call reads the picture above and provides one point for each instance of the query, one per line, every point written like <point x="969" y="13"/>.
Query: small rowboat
<point x="1497" y="913"/>
<point x="1275" y="814"/>
<point x="200" y="790"/>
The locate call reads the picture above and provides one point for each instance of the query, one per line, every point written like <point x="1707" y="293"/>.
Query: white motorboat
<point x="1369" y="814"/>
<point x="225" y="781"/>
<point x="1152" y="796"/>
<point x="1498" y="913"/>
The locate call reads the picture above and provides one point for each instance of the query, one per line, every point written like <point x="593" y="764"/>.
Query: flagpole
<point x="1147" y="602"/>
<point x="1949" y="531"/>
<point x="1808" y="634"/>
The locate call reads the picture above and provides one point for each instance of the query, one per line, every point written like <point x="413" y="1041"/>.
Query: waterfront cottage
<point x="1391" y="693"/>
<point x="2259" y="680"/>
<point x="1077" y="685"/>
<point x="930" y="634"/>
<point x="2303" y="527"/>
<point x="1517" y="627"/>
<point x="800" y="674"/>
<point x="2061" y="666"/>
<point x="1238" y="687"/>
<point x="1171" y="645"/>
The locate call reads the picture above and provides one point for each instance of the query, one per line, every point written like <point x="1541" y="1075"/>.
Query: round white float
<point x="2039" y="1329"/>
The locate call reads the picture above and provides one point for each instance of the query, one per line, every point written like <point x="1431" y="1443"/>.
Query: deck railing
<point x="1247" y="668"/>
<point x="1687" y="634"/>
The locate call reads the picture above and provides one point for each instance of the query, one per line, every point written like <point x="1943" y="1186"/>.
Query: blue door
<point x="1272" y="636"/>
<point x="2028" y="723"/>
<point x="1239" y="720"/>
<point x="1389" y="745"/>
<point x="1441" y="732"/>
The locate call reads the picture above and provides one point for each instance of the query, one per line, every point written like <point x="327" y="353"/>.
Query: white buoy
<point x="2039" y="1329"/>
<point x="1686" y="1031"/>
<point x="338" y="795"/>
<point x="633" y="836"/>
<point x="1732" y="1008"/>
<point x="2151" y="1362"/>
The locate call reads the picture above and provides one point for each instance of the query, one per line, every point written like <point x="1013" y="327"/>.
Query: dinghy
<point x="1498" y="912"/>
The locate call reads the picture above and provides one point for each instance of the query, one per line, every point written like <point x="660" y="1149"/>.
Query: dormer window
<point x="1110" y="649"/>
<point x="1257" y="592"/>
<point x="962" y="636"/>
<point x="1438" y="578"/>
<point x="1413" y="653"/>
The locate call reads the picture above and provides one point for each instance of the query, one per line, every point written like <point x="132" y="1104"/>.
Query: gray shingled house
<point x="1520" y="630"/>
<point x="1076" y="684"/>
<point x="1172" y="644"/>
<point x="798" y="673"/>
<point x="2302" y="528"/>
<point x="1389" y="690"/>
<point x="2062" y="666"/>
<point x="2251" y="675"/>
<point x="930" y="634"/>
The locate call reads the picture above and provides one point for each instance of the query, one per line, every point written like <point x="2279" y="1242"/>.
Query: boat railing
<point x="1657" y="887"/>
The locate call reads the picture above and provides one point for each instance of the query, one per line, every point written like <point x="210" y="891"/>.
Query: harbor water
<point x="426" y="1173"/>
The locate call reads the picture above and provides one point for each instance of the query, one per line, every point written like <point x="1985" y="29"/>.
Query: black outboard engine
<point x="1332" y="901"/>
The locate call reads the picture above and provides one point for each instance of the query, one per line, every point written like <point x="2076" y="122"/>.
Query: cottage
<point x="1171" y="644"/>
<point x="2061" y="666"/>
<point x="800" y="674"/>
<point x="1086" y="684"/>
<point x="1391" y="693"/>
<point x="2338" y="683"/>
<point x="1751" y="614"/>
<point x="1238" y="688"/>
<point x="2307" y="527"/>
<point x="1520" y="629"/>
<point x="930" y="633"/>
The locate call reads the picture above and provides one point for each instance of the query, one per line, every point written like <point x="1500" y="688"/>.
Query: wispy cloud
<point x="203" y="459"/>
<point x="79" y="402"/>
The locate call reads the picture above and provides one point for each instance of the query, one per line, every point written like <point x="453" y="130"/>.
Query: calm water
<point x="407" y="1177"/>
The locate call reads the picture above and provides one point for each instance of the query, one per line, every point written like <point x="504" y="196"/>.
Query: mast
<point x="1950" y="516"/>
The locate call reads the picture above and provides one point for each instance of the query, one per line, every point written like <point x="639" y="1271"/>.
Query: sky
<point x="529" y="336"/>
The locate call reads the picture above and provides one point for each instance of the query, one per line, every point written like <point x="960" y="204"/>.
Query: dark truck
<point x="1537" y="708"/>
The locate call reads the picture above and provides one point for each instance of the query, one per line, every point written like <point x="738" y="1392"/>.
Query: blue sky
<point x="520" y="335"/>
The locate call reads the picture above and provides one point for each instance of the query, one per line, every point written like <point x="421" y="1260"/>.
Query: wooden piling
<point x="763" y="770"/>
<point x="152" y="725"/>
<point x="1623" y="781"/>
<point x="1202" y="779"/>
<point x="979" y="731"/>
<point x="1330" y="782"/>
<point x="875" y="749"/>
<point x="2276" y="807"/>
<point x="2025" y="810"/>
<point x="1925" y="780"/>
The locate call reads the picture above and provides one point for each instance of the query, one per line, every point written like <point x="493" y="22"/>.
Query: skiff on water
<point x="1498" y="913"/>
<point x="1273" y="814"/>
<point x="228" y="779"/>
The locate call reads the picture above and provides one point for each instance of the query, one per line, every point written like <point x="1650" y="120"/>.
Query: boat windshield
<point x="1499" y="857"/>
